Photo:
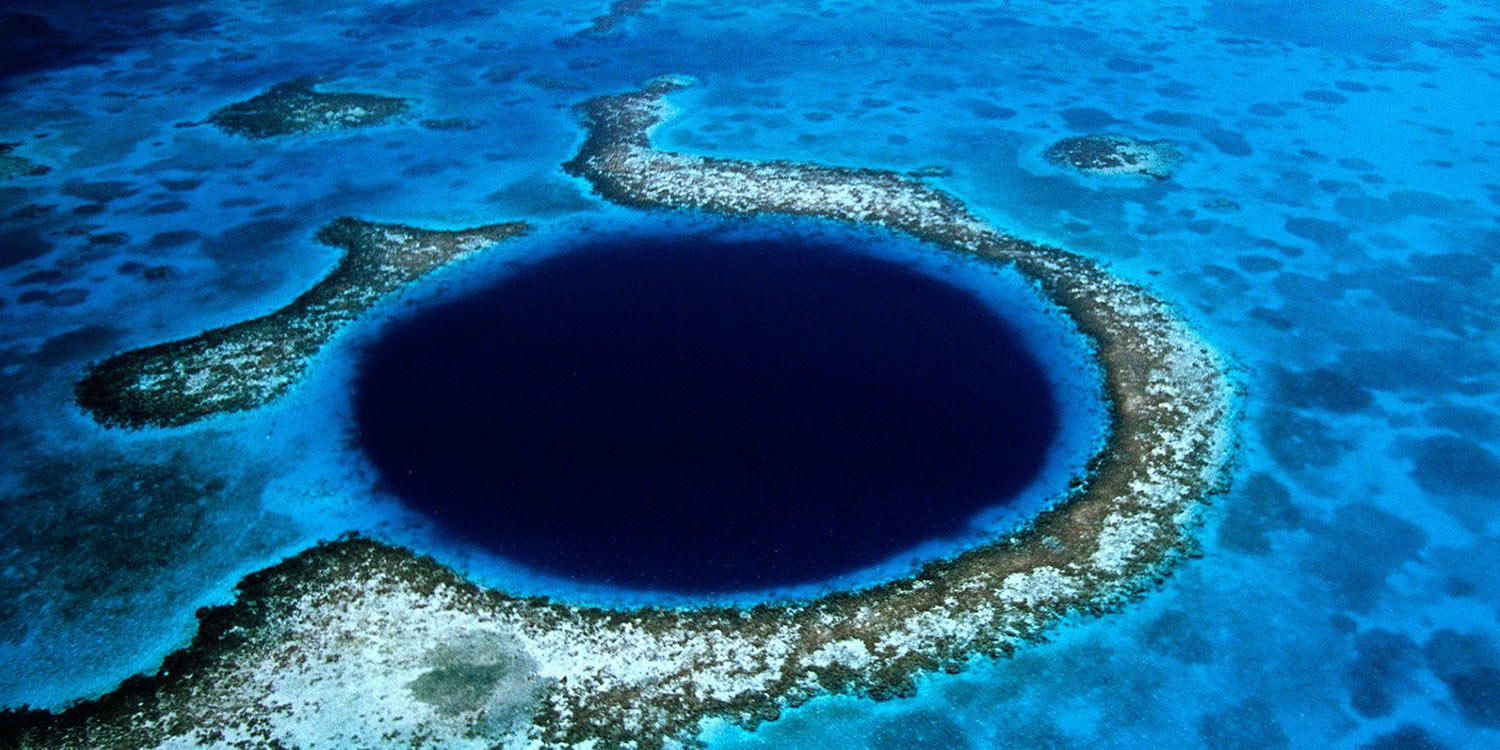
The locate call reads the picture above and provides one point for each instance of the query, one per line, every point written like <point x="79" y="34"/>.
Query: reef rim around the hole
<point x="372" y="628"/>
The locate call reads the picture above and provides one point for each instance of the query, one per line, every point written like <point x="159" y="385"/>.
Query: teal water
<point x="1332" y="228"/>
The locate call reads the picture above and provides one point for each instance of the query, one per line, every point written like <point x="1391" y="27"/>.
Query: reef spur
<point x="245" y="365"/>
<point x="359" y="644"/>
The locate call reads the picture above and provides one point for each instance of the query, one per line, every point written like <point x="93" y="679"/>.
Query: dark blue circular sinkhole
<point x="695" y="413"/>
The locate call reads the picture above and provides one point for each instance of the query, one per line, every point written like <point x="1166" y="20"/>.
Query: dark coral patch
<point x="184" y="184"/>
<point x="172" y="238"/>
<point x="1322" y="388"/>
<point x="1261" y="507"/>
<point x="20" y="245"/>
<point x="1470" y="666"/>
<point x="1466" y="420"/>
<point x="1087" y="118"/>
<point x="450" y="123"/>
<point x="102" y="191"/>
<point x="1324" y="97"/>
<point x="165" y="207"/>
<point x="67" y="297"/>
<point x="1382" y="668"/>
<point x="985" y="110"/>
<point x="1406" y="737"/>
<point x="1127" y="65"/>
<point x="1453" y="465"/>
<point x="1316" y="230"/>
<point x="46" y="276"/>
<point x="1177" y="635"/>
<point x="1251" y="725"/>
<point x="1359" y="550"/>
<point x="919" y="729"/>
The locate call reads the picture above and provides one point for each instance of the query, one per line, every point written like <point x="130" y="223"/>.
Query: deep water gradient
<point x="696" y="414"/>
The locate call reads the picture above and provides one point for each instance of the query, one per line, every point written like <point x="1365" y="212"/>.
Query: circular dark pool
<point x="698" y="414"/>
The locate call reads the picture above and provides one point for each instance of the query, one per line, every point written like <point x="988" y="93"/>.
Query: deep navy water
<point x="1333" y="230"/>
<point x="690" y="413"/>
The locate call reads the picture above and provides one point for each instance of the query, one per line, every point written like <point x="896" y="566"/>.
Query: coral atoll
<point x="359" y="644"/>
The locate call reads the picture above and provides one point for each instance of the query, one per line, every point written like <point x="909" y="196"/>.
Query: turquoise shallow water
<point x="1333" y="229"/>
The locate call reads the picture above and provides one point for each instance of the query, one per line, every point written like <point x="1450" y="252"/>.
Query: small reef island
<point x="356" y="643"/>
<point x="247" y="364"/>
<point x="295" y="108"/>
<point x="1110" y="154"/>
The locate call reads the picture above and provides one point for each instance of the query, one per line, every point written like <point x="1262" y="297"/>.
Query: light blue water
<point x="1347" y="597"/>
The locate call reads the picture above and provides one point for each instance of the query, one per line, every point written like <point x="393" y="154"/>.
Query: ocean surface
<point x="1332" y="228"/>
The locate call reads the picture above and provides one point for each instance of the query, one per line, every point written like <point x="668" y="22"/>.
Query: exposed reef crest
<point x="1109" y="154"/>
<point x="247" y="364"/>
<point x="294" y="108"/>
<point x="353" y="624"/>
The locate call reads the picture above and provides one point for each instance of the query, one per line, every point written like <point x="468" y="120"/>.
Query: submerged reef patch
<point x="12" y="165"/>
<point x="294" y="108"/>
<point x="114" y="525"/>
<point x="247" y="364"/>
<point x="356" y="624"/>
<point x="1108" y="154"/>
<point x="611" y="22"/>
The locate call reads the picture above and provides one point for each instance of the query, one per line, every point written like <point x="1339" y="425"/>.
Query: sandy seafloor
<point x="1333" y="229"/>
